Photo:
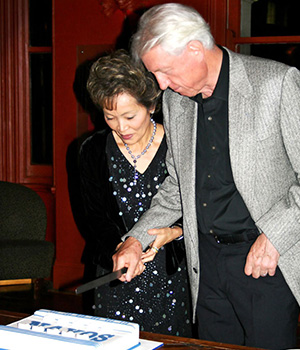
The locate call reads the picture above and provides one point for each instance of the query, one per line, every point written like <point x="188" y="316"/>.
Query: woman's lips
<point x="126" y="137"/>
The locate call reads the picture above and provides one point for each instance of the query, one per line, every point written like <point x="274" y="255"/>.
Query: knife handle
<point x="124" y="270"/>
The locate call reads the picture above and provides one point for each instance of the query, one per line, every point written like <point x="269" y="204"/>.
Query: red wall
<point x="77" y="24"/>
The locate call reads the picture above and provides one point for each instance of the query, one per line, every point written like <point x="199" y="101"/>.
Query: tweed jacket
<point x="264" y="145"/>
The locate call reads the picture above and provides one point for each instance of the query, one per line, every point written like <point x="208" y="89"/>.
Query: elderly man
<point x="232" y="124"/>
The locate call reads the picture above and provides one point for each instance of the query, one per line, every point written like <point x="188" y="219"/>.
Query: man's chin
<point x="178" y="90"/>
<point x="182" y="92"/>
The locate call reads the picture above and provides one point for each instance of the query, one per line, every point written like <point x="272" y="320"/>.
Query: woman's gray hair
<point x="172" y="26"/>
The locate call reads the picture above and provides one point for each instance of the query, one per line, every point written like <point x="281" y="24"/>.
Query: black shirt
<point x="220" y="208"/>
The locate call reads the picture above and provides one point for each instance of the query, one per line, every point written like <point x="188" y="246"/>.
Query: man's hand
<point x="129" y="255"/>
<point x="262" y="258"/>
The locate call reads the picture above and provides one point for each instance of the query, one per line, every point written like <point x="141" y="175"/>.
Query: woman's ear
<point x="152" y="110"/>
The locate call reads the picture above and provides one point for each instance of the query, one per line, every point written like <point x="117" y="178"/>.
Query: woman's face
<point x="129" y="120"/>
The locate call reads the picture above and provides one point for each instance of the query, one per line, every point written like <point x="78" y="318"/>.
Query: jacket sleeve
<point x="105" y="227"/>
<point x="282" y="222"/>
<point x="165" y="206"/>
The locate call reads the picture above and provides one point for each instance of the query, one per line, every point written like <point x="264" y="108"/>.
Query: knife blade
<point x="100" y="281"/>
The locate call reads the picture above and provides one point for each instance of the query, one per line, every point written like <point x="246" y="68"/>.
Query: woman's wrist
<point x="178" y="224"/>
<point x="118" y="247"/>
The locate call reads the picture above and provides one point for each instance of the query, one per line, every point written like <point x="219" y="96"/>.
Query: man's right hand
<point x="129" y="255"/>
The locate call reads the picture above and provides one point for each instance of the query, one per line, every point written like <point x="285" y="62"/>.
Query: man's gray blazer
<point x="264" y="143"/>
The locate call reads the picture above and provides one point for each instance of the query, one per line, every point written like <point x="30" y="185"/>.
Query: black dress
<point x="158" y="301"/>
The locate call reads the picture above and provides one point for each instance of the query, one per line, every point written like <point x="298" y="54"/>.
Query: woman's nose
<point x="122" y="126"/>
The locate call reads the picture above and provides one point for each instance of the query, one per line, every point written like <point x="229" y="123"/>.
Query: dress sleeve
<point x="104" y="224"/>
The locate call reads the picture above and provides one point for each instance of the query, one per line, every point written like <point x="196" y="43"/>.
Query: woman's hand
<point x="163" y="236"/>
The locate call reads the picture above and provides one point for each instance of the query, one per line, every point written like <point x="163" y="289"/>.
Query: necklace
<point x="135" y="158"/>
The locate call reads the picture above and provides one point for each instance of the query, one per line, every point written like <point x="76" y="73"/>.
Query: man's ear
<point x="195" y="48"/>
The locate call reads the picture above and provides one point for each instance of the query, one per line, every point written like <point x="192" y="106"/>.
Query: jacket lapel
<point x="187" y="135"/>
<point x="242" y="141"/>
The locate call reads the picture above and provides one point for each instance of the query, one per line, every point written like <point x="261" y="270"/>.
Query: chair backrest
<point x="22" y="213"/>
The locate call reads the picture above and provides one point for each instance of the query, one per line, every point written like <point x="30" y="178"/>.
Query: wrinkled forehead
<point x="156" y="59"/>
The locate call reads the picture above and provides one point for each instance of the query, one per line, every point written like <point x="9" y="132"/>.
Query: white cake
<point x="47" y="329"/>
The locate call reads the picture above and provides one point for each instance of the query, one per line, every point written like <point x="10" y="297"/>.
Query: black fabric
<point x="220" y="208"/>
<point x="175" y="255"/>
<point x="26" y="259"/>
<point x="158" y="302"/>
<point x="246" y="236"/>
<point x="106" y="226"/>
<point x="22" y="213"/>
<point x="24" y="252"/>
<point x="134" y="199"/>
<point x="239" y="309"/>
<point x="159" y="298"/>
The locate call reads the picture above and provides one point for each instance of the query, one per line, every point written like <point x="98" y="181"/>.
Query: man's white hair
<point x="172" y="26"/>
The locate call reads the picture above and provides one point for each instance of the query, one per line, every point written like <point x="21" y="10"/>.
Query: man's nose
<point x="162" y="80"/>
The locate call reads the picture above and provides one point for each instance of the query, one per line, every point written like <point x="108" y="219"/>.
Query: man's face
<point x="185" y="73"/>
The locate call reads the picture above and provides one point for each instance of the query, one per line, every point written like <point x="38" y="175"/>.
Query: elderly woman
<point x="121" y="170"/>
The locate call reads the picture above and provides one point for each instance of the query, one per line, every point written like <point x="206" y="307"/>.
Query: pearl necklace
<point x="135" y="158"/>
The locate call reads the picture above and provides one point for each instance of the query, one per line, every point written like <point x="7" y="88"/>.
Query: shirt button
<point x="213" y="148"/>
<point x="209" y="176"/>
<point x="209" y="118"/>
<point x="205" y="204"/>
<point x="211" y="231"/>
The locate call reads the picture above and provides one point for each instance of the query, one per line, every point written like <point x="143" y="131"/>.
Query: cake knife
<point x="100" y="281"/>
